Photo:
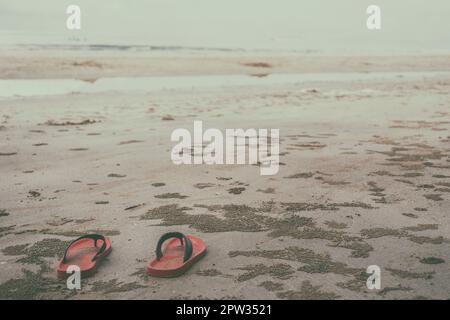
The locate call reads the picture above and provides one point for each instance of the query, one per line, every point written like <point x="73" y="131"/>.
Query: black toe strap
<point x="95" y="237"/>
<point x="182" y="237"/>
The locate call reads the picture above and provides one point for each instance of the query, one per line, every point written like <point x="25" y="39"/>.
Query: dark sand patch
<point x="158" y="184"/>
<point x="167" y="118"/>
<point x="237" y="190"/>
<point x="404" y="274"/>
<point x="336" y="225"/>
<point x="234" y="218"/>
<point x="34" y="194"/>
<point x="313" y="262"/>
<point x="440" y="176"/>
<point x="35" y="253"/>
<point x="6" y="230"/>
<point x="70" y="123"/>
<point x="257" y="64"/>
<point x="267" y="190"/>
<point x="411" y="215"/>
<point x="271" y="286"/>
<point x="116" y="175"/>
<point x="434" y="197"/>
<point x="327" y="206"/>
<point x="130" y="141"/>
<point x="386" y="290"/>
<point x="74" y="233"/>
<point x="3" y="213"/>
<point x="382" y="232"/>
<point x="307" y="292"/>
<point x="259" y="75"/>
<point x="301" y="175"/>
<point x="248" y="219"/>
<point x="115" y="286"/>
<point x="174" y="195"/>
<point x="402" y="233"/>
<point x="422" y="227"/>
<point x="59" y="222"/>
<point x="332" y="182"/>
<point x="135" y="206"/>
<point x="203" y="185"/>
<point x="87" y="63"/>
<point x="32" y="286"/>
<point x="280" y="271"/>
<point x="432" y="260"/>
<point x="78" y="149"/>
<point x="357" y="284"/>
<point x="209" y="273"/>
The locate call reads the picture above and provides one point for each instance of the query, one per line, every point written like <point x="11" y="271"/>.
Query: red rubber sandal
<point x="84" y="253"/>
<point x="178" y="256"/>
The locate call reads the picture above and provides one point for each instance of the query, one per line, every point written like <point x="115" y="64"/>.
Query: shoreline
<point x="90" y="65"/>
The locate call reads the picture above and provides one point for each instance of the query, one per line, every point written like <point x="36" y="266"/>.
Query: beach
<point x="364" y="173"/>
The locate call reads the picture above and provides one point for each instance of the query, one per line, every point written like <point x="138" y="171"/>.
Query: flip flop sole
<point x="81" y="254"/>
<point x="171" y="264"/>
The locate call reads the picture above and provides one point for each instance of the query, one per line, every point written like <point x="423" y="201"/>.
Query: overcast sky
<point x="324" y="25"/>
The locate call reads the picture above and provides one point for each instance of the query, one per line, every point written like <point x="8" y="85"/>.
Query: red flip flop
<point x="84" y="253"/>
<point x="179" y="255"/>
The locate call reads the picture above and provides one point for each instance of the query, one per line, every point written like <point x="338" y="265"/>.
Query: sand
<point x="364" y="178"/>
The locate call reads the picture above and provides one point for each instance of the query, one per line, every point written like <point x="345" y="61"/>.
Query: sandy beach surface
<point x="364" y="176"/>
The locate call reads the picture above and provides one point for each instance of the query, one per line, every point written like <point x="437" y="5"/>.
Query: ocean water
<point x="306" y="26"/>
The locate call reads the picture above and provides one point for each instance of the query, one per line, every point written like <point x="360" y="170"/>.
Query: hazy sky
<point x="324" y="25"/>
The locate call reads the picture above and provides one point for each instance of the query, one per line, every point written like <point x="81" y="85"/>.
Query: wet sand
<point x="364" y="179"/>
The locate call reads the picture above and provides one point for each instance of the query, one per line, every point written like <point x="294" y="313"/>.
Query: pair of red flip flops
<point x="176" y="258"/>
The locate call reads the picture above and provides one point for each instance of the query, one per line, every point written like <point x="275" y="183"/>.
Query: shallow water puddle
<point x="44" y="87"/>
